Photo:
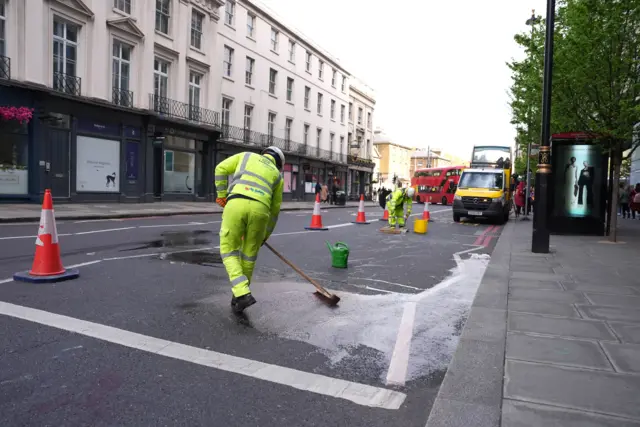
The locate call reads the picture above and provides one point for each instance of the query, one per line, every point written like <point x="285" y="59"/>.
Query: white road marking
<point x="82" y="264"/>
<point x="339" y="225"/>
<point x="388" y="283"/>
<point x="28" y="237"/>
<point x="159" y="253"/>
<point x="103" y="231"/>
<point x="399" y="364"/>
<point x="94" y="220"/>
<point x="397" y="373"/>
<point x="360" y="394"/>
<point x="6" y="280"/>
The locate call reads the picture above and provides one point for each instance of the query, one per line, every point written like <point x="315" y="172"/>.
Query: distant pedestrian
<point x="520" y="198"/>
<point x="624" y="201"/>
<point x="324" y="193"/>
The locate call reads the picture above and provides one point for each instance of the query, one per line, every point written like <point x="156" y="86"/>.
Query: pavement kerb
<point x="472" y="389"/>
<point x="73" y="217"/>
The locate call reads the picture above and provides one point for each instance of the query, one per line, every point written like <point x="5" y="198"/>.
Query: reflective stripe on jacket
<point x="398" y="198"/>
<point x="254" y="176"/>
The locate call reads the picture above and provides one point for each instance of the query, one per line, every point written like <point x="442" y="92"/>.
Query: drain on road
<point x="176" y="239"/>
<point x="205" y="258"/>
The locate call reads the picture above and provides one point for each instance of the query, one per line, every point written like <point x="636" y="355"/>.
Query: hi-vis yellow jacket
<point x="254" y="176"/>
<point x="397" y="199"/>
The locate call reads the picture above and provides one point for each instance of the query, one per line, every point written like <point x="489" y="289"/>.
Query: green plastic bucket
<point x="339" y="254"/>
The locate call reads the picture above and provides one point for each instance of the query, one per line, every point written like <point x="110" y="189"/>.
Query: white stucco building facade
<point x="361" y="107"/>
<point x="138" y="100"/>
<point x="284" y="87"/>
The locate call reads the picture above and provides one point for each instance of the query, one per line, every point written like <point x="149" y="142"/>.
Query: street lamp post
<point x="531" y="21"/>
<point x="540" y="237"/>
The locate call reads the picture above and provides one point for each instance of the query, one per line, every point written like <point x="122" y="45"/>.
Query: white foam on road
<point x="360" y="394"/>
<point x="414" y="334"/>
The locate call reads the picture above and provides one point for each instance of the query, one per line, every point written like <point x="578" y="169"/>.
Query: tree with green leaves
<point x="596" y="86"/>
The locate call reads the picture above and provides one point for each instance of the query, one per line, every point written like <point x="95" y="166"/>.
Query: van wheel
<point x="456" y="218"/>
<point x="444" y="201"/>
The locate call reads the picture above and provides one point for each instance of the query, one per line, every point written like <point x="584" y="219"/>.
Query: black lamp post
<point x="540" y="237"/>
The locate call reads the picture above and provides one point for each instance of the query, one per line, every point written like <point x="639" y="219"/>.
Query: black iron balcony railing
<point x="68" y="84"/>
<point x="360" y="161"/>
<point x="5" y="67"/>
<point x="180" y="110"/>
<point x="122" y="97"/>
<point x="261" y="140"/>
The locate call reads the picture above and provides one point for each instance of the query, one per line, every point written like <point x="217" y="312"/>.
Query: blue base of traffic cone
<point x="24" y="276"/>
<point x="316" y="229"/>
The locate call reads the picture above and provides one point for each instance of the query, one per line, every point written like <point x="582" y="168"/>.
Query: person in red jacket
<point x="520" y="197"/>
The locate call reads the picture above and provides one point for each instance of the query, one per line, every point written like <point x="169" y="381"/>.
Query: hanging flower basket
<point x="20" y="114"/>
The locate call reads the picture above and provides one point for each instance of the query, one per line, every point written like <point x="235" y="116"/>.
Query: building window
<point x="334" y="75"/>
<point x="305" y="135"/>
<point x="273" y="76"/>
<point x="160" y="78"/>
<point x="351" y="111"/>
<point x="292" y="51"/>
<point x="195" y="79"/>
<point x="332" y="113"/>
<point x="229" y="12"/>
<point x="344" y="83"/>
<point x="359" y="115"/>
<point x="289" y="89"/>
<point x="227" y="68"/>
<point x="197" y="19"/>
<point x="274" y="39"/>
<point x="320" y="70"/>
<point x="287" y="129"/>
<point x="332" y="137"/>
<point x="307" y="64"/>
<point x="341" y="143"/>
<point x="65" y="50"/>
<point x="162" y="16"/>
<point x="123" y="5"/>
<point x="248" y="74"/>
<point x="307" y="95"/>
<point x="226" y="111"/>
<point x="251" y="24"/>
<point x="271" y="125"/>
<point x="318" y="137"/>
<point x="369" y="120"/>
<point x="320" y="103"/>
<point x="248" y="115"/>
<point x="342" y="113"/>
<point x="121" y="70"/>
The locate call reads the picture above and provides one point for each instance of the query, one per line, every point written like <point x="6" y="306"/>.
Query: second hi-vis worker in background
<point x="395" y="205"/>
<point x="251" y="203"/>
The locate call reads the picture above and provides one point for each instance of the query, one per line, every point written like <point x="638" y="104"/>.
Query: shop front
<point x="182" y="162"/>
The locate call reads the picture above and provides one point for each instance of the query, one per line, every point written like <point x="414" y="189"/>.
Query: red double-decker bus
<point x="436" y="185"/>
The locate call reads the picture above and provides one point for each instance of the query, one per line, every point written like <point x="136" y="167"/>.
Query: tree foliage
<point x="596" y="76"/>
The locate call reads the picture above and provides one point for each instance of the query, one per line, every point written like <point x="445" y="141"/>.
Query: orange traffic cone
<point x="316" y="218"/>
<point x="385" y="215"/>
<point x="425" y="213"/>
<point x="47" y="265"/>
<point x="361" y="219"/>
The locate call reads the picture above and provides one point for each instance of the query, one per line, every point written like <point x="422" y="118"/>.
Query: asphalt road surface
<point x="146" y="336"/>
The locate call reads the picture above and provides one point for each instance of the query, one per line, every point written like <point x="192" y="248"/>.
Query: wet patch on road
<point x="177" y="239"/>
<point x="204" y="258"/>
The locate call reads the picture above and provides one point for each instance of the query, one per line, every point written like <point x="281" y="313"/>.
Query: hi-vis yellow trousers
<point x="248" y="218"/>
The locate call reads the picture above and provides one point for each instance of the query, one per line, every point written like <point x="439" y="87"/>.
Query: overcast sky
<point x="437" y="67"/>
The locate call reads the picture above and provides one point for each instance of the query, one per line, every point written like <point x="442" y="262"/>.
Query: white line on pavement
<point x="360" y="394"/>
<point x="82" y="264"/>
<point x="28" y="237"/>
<point x="6" y="280"/>
<point x="399" y="365"/>
<point x="397" y="373"/>
<point x="388" y="283"/>
<point x="103" y="231"/>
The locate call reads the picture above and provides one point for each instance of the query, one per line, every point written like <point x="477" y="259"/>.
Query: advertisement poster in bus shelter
<point x="579" y="177"/>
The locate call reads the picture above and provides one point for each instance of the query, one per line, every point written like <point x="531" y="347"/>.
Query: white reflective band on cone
<point x="47" y="226"/>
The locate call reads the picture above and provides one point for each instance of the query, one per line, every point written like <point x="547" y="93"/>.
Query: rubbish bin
<point x="341" y="198"/>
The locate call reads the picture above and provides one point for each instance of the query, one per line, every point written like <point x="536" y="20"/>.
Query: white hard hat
<point x="411" y="191"/>
<point x="277" y="154"/>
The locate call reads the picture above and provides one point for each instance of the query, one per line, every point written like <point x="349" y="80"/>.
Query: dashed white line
<point x="82" y="264"/>
<point x="360" y="394"/>
<point x="388" y="283"/>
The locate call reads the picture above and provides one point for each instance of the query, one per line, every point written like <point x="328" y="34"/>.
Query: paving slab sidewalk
<point x="551" y="339"/>
<point x="80" y="211"/>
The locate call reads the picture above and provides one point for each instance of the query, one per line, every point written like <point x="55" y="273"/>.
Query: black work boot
<point x="239" y="304"/>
